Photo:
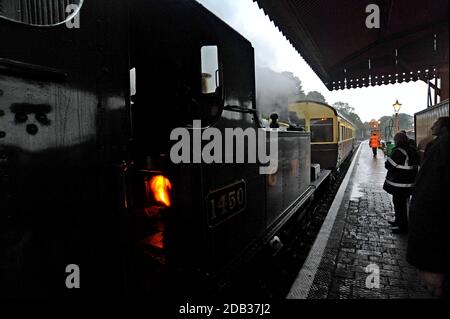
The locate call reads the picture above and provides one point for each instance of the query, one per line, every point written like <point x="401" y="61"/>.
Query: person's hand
<point x="433" y="281"/>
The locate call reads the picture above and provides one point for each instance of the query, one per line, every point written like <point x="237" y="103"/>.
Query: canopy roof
<point x="332" y="36"/>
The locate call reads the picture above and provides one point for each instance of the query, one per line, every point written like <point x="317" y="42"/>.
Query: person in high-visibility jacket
<point x="374" y="143"/>
<point x="402" y="166"/>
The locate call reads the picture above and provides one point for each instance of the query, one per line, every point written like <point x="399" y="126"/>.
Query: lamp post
<point x="397" y="107"/>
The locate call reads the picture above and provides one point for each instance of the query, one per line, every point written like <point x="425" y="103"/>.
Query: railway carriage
<point x="332" y="135"/>
<point x="424" y="120"/>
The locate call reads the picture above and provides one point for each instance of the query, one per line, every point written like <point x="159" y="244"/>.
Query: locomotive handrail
<point x="29" y="70"/>
<point x="236" y="108"/>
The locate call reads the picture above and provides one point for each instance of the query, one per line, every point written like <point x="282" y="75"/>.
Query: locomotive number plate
<point x="226" y="202"/>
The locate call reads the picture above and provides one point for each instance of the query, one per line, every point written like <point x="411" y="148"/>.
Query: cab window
<point x="210" y="69"/>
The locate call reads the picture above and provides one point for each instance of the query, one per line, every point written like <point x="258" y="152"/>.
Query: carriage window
<point x="321" y="130"/>
<point x="210" y="69"/>
<point x="40" y="12"/>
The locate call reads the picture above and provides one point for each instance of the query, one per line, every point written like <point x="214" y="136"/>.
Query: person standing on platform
<point x="374" y="143"/>
<point x="402" y="166"/>
<point x="411" y="142"/>
<point x="429" y="238"/>
<point x="440" y="127"/>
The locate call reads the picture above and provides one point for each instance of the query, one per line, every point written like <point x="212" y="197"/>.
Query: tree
<point x="298" y="94"/>
<point x="344" y="107"/>
<point x="367" y="129"/>
<point x="349" y="112"/>
<point x="316" y="96"/>
<point x="387" y="124"/>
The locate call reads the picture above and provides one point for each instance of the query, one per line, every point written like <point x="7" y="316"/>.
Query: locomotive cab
<point x="189" y="65"/>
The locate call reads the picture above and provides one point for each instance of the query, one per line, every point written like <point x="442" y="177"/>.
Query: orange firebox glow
<point x="160" y="187"/>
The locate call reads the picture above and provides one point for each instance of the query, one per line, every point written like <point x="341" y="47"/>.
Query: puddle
<point x="355" y="193"/>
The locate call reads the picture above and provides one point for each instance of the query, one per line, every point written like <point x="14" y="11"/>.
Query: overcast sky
<point x="274" y="51"/>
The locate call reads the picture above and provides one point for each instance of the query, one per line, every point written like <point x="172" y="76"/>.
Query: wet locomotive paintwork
<point x="67" y="181"/>
<point x="58" y="188"/>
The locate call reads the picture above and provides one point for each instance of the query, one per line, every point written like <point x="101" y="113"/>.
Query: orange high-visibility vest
<point x="374" y="142"/>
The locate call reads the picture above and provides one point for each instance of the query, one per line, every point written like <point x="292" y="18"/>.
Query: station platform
<point x="356" y="243"/>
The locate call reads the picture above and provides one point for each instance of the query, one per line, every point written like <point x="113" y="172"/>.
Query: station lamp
<point x="397" y="107"/>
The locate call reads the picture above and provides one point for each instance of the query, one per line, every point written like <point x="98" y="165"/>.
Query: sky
<point x="274" y="51"/>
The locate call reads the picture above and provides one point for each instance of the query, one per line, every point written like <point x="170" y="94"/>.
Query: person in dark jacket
<point x="402" y="168"/>
<point x="439" y="127"/>
<point x="428" y="242"/>
<point x="411" y="142"/>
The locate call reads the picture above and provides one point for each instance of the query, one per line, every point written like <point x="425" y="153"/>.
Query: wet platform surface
<point x="356" y="236"/>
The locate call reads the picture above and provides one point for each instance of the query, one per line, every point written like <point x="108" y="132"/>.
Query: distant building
<point x="375" y="128"/>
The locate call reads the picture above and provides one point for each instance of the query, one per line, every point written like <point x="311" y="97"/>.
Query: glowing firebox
<point x="159" y="186"/>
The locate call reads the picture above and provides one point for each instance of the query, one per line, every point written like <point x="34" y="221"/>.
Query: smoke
<point x="245" y="17"/>
<point x="275" y="91"/>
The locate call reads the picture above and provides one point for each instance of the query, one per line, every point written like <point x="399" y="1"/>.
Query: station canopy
<point x="411" y="43"/>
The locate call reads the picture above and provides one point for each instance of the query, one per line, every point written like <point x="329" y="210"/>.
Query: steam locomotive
<point x="87" y="105"/>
